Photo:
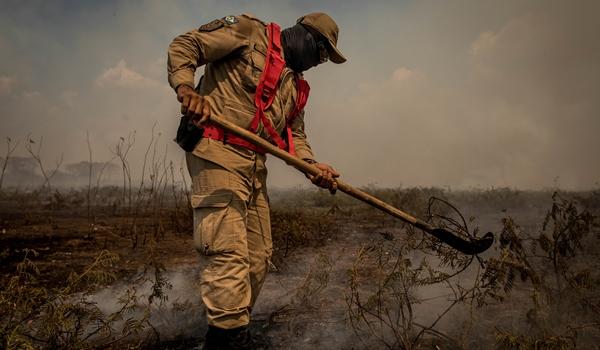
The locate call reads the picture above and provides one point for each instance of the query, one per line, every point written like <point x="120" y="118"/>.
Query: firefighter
<point x="253" y="78"/>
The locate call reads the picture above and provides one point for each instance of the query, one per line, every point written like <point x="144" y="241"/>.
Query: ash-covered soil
<point x="305" y="301"/>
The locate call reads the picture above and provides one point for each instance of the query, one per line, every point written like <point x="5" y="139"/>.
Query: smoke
<point x="282" y="317"/>
<point x="23" y="172"/>
<point x="303" y="303"/>
<point x="179" y="316"/>
<point x="447" y="94"/>
<point x="518" y="110"/>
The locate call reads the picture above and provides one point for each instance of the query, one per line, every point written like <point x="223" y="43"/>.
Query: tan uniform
<point x="231" y="211"/>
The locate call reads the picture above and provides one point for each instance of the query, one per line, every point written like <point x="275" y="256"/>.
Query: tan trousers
<point x="232" y="233"/>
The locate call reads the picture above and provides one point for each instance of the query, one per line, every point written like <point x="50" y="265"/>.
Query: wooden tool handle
<point x="456" y="242"/>
<point x="310" y="168"/>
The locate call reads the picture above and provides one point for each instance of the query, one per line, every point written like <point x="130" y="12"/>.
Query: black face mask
<point x="300" y="48"/>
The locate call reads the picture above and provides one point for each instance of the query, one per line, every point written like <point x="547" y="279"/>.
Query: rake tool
<point x="472" y="246"/>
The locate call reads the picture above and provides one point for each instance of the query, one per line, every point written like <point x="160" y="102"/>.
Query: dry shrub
<point x="383" y="293"/>
<point x="557" y="266"/>
<point x="294" y="228"/>
<point x="64" y="317"/>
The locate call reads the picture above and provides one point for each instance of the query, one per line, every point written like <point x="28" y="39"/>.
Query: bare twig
<point x="121" y="151"/>
<point x="9" y="152"/>
<point x="38" y="158"/>
<point x="89" y="187"/>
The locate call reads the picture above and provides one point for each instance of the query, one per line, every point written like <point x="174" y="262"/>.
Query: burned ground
<point x="344" y="275"/>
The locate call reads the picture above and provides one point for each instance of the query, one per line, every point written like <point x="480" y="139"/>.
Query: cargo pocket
<point x="212" y="233"/>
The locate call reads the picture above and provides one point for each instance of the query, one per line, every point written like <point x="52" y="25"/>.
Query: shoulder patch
<point x="230" y="20"/>
<point x="209" y="27"/>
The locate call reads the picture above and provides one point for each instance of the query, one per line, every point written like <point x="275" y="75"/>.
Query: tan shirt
<point x="234" y="53"/>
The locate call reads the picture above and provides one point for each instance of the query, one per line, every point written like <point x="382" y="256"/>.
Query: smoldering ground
<point x="306" y="300"/>
<point x="178" y="316"/>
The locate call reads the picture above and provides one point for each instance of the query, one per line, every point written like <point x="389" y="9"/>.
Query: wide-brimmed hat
<point x="327" y="27"/>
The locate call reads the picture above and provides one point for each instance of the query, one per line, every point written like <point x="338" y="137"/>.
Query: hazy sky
<point x="434" y="93"/>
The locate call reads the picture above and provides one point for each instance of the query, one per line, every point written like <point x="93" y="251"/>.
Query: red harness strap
<point x="268" y="84"/>
<point x="263" y="98"/>
<point x="215" y="132"/>
<point x="302" y="91"/>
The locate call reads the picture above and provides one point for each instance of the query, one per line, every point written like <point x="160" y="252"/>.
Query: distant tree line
<point x="24" y="172"/>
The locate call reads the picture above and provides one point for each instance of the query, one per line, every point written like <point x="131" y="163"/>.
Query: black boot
<point x="228" y="339"/>
<point x="213" y="341"/>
